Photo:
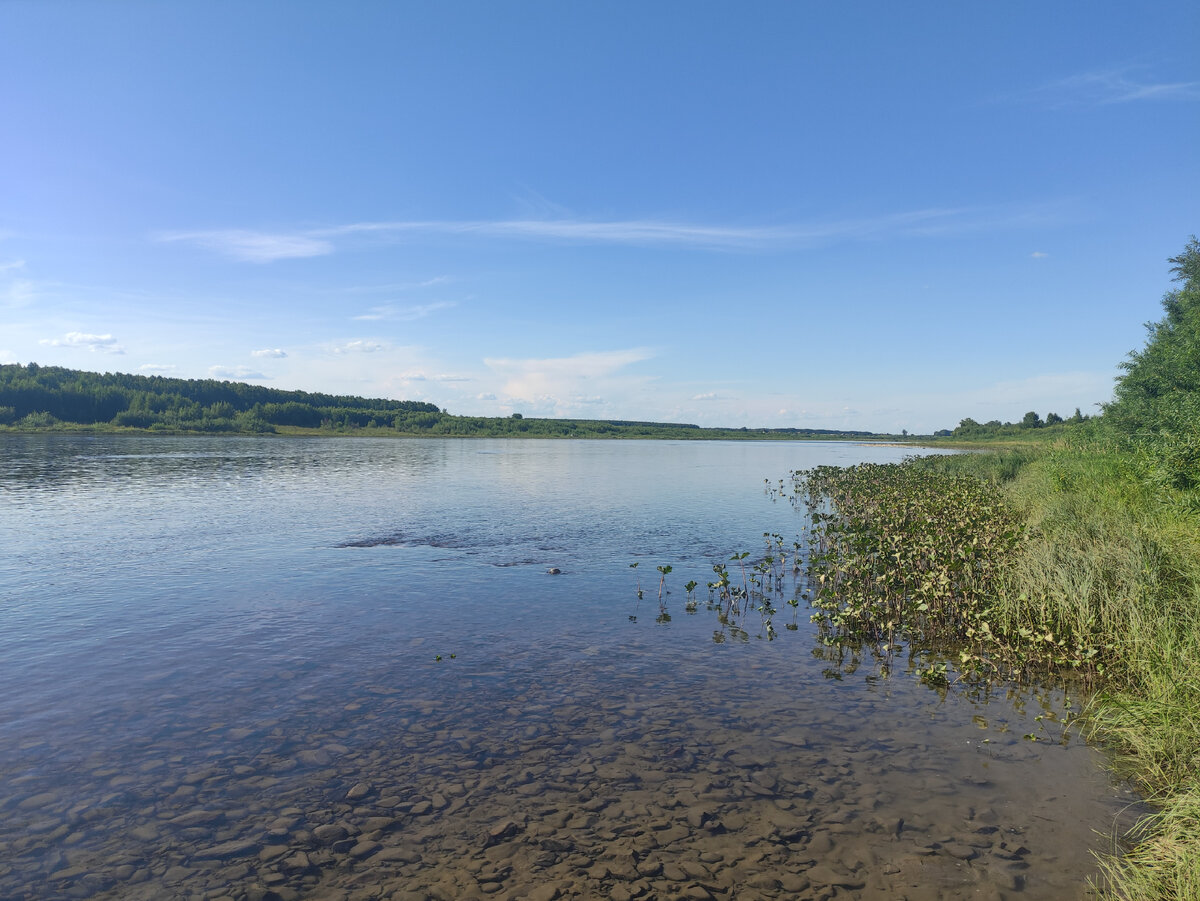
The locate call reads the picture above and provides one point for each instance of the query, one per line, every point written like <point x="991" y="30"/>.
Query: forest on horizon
<point x="39" y="398"/>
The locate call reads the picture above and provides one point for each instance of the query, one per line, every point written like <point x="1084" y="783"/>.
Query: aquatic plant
<point x="664" y="570"/>
<point x="911" y="554"/>
<point x="690" y="588"/>
<point x="740" y="559"/>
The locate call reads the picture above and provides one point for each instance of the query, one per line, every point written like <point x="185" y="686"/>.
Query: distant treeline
<point x="969" y="428"/>
<point x="34" y="397"/>
<point x="518" y="426"/>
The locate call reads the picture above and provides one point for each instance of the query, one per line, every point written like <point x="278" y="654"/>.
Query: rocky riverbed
<point x="582" y="795"/>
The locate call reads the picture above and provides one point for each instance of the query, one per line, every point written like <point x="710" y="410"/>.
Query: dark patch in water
<point x="394" y="540"/>
<point x="397" y="539"/>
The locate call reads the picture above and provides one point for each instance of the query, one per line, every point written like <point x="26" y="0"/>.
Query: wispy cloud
<point x="262" y="247"/>
<point x="104" y="343"/>
<point x="19" y="292"/>
<point x="254" y="247"/>
<point x="582" y="365"/>
<point x="1039" y="255"/>
<point x="158" y="368"/>
<point x="359" y="346"/>
<point x="1046" y="389"/>
<point x="557" y="385"/>
<point x="12" y="264"/>
<point x="273" y="353"/>
<point x="659" y="232"/>
<point x="1121" y="85"/>
<point x="395" y="287"/>
<point x="439" y="377"/>
<point x="406" y="313"/>
<point x="234" y="372"/>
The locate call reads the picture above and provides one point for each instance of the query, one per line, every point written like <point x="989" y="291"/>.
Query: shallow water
<point x="221" y="661"/>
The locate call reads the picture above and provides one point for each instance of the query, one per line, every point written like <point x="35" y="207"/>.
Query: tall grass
<point x="1112" y="555"/>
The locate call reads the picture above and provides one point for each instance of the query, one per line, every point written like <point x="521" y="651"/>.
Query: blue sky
<point x="858" y="215"/>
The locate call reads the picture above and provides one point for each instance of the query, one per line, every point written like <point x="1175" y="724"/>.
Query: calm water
<point x="221" y="681"/>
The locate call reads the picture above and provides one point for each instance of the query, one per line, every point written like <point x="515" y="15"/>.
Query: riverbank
<point x="1104" y="582"/>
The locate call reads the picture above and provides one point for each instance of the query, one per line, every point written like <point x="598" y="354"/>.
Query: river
<point x="263" y="668"/>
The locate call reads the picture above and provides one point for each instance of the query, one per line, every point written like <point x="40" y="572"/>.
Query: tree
<point x="1031" y="421"/>
<point x="1157" y="400"/>
<point x="1053" y="419"/>
<point x="1162" y="379"/>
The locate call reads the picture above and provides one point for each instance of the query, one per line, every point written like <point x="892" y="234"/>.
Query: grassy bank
<point x="1061" y="557"/>
<point x="1118" y="558"/>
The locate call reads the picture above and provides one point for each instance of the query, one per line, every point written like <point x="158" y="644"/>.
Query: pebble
<point x="198" y="818"/>
<point x="584" y="796"/>
<point x="227" y="850"/>
<point x="176" y="874"/>
<point x="297" y="862"/>
<point x="364" y="849"/>
<point x="329" y="833"/>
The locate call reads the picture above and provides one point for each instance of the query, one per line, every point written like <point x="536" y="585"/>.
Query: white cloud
<point x="405" y="314"/>
<point x="1109" y="86"/>
<point x="485" y="397"/>
<point x="555" y="386"/>
<point x="12" y="264"/>
<point x="579" y="366"/>
<point x="7" y="356"/>
<point x="157" y="368"/>
<point x="238" y="373"/>
<point x="268" y="352"/>
<point x="1039" y="255"/>
<point x="253" y="247"/>
<point x="359" y="346"/>
<point x="105" y="343"/>
<point x="707" y="395"/>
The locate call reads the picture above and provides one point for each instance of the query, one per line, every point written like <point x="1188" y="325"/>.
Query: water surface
<point x="221" y="660"/>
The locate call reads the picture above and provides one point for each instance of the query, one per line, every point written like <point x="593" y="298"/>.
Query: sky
<point x="859" y="215"/>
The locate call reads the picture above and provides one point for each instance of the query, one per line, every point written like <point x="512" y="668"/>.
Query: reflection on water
<point x="230" y="687"/>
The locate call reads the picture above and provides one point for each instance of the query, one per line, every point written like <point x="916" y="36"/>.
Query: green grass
<point x="1105" y="582"/>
